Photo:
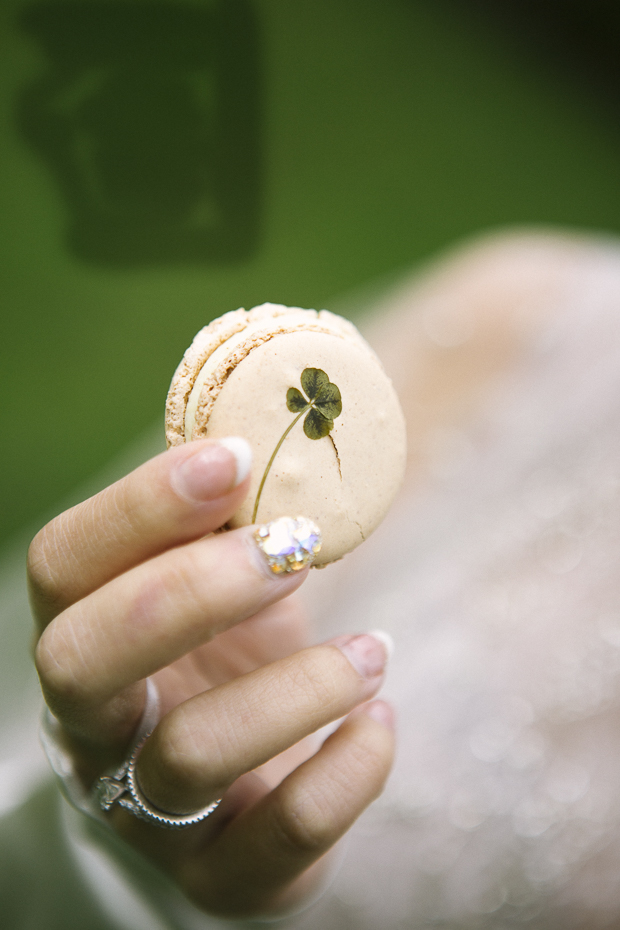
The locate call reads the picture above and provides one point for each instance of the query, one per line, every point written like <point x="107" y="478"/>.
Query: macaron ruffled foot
<point x="289" y="544"/>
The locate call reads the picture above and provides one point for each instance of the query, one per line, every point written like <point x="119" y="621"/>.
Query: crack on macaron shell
<point x="337" y="456"/>
<point x="356" y="522"/>
<point x="359" y="526"/>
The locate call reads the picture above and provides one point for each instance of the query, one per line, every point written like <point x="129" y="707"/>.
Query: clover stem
<point x="271" y="460"/>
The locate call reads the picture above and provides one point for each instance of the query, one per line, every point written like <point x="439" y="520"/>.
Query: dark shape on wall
<point x="148" y="119"/>
<point x="578" y="40"/>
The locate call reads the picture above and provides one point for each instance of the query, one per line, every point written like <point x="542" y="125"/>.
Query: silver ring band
<point x="122" y="788"/>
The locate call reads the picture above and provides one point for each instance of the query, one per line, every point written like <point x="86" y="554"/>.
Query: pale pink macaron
<point x="312" y="399"/>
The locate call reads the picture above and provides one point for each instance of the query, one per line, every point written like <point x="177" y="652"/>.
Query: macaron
<point x="312" y="399"/>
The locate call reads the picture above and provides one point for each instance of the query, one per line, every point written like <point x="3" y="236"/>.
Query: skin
<point x="125" y="586"/>
<point x="128" y="584"/>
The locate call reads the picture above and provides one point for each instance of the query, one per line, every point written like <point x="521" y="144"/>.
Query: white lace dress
<point x="500" y="582"/>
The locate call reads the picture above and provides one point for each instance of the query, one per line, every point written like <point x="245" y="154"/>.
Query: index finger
<point x="175" y="497"/>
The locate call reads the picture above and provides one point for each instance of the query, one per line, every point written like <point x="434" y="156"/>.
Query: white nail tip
<point x="384" y="638"/>
<point x="242" y="452"/>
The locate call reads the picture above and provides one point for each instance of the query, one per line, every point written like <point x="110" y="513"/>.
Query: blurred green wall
<point x="163" y="162"/>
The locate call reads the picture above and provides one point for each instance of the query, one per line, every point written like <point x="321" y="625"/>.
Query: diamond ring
<point x="122" y="788"/>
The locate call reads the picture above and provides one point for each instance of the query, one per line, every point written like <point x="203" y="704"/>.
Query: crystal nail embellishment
<point x="289" y="545"/>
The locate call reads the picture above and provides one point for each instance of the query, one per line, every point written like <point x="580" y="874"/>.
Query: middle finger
<point x="153" y="615"/>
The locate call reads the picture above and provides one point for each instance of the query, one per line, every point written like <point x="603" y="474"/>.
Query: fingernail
<point x="367" y="653"/>
<point x="380" y="711"/>
<point x="384" y="638"/>
<point x="213" y="471"/>
<point x="242" y="451"/>
<point x="288" y="545"/>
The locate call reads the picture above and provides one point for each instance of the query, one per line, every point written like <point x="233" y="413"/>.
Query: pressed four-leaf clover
<point x="322" y="404"/>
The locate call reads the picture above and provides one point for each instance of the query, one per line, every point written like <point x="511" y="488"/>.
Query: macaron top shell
<point x="344" y="477"/>
<point x="221" y="345"/>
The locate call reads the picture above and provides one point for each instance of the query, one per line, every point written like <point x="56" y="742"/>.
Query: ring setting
<point x="122" y="788"/>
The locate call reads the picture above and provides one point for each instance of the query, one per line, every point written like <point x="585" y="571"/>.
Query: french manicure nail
<point x="384" y="638"/>
<point x="242" y="451"/>
<point x="367" y="652"/>
<point x="213" y="470"/>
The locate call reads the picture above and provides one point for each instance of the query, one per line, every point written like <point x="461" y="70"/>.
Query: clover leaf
<point x="324" y="401"/>
<point x="323" y="404"/>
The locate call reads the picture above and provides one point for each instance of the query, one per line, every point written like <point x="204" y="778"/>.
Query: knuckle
<point x="170" y="587"/>
<point x="118" y="509"/>
<point x="311" y="681"/>
<point x="43" y="580"/>
<point x="304" y="822"/>
<point x="370" y="762"/>
<point x="181" y="580"/>
<point x="58" y="679"/>
<point x="367" y="760"/>
<point x="183" y="758"/>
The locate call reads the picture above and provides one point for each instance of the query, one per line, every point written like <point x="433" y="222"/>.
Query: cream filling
<point x="205" y="372"/>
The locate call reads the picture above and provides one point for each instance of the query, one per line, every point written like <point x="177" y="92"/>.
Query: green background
<point x="386" y="131"/>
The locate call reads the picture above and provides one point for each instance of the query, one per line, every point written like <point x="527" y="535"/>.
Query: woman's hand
<point x="129" y="585"/>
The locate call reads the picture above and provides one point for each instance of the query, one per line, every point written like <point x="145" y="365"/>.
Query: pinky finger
<point x="257" y="864"/>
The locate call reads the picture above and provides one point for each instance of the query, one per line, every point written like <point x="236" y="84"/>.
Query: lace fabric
<point x="499" y="582"/>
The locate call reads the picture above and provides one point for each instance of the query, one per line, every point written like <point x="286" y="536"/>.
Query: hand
<point x="128" y="585"/>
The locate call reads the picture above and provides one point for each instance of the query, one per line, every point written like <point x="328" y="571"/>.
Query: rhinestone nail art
<point x="289" y="544"/>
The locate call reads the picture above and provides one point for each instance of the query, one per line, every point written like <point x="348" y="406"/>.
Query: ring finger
<point x="206" y="743"/>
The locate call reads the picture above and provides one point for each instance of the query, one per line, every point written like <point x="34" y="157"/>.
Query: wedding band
<point x="122" y="788"/>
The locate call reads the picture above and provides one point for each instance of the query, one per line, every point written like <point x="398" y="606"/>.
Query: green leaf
<point x="295" y="400"/>
<point x="329" y="401"/>
<point x="316" y="425"/>
<point x="312" y="380"/>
